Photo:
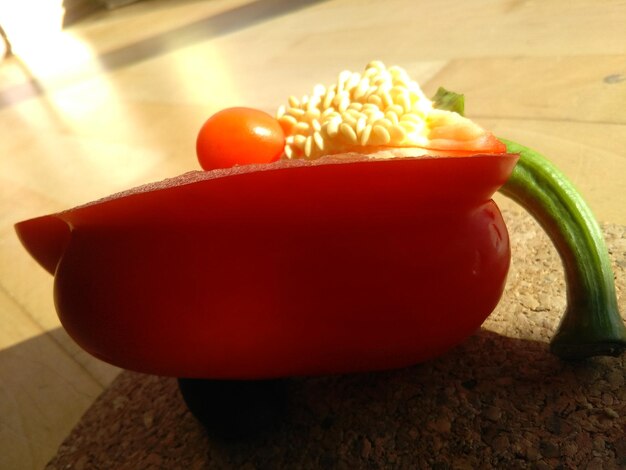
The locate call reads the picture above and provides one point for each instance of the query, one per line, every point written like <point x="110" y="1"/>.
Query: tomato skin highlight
<point x="239" y="136"/>
<point x="293" y="268"/>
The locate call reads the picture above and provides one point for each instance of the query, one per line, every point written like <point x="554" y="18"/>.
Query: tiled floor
<point x="116" y="100"/>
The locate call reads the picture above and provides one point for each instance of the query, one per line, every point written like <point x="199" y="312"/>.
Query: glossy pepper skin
<point x="292" y="268"/>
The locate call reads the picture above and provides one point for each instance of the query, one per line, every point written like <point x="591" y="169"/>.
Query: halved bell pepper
<point x="291" y="268"/>
<point x="299" y="267"/>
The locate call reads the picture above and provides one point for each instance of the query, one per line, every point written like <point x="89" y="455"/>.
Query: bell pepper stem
<point x="591" y="324"/>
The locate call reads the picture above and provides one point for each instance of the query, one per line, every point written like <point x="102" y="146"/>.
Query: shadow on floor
<point x="43" y="394"/>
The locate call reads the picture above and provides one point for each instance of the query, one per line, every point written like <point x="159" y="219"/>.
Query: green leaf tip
<point x="449" y="101"/>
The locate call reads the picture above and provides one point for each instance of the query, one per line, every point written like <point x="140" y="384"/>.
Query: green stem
<point x="591" y="325"/>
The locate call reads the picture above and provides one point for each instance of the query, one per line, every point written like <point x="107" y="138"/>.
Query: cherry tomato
<point x="239" y="136"/>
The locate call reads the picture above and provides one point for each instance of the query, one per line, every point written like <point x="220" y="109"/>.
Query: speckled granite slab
<point x="499" y="400"/>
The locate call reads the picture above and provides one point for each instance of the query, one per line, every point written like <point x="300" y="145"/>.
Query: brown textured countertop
<point x="498" y="400"/>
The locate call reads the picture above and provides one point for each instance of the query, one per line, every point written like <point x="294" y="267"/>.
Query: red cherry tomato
<point x="239" y="136"/>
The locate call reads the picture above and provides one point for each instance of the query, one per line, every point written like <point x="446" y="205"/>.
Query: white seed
<point x="312" y="114"/>
<point x="365" y="135"/>
<point x="395" y="108"/>
<point x="361" y="88"/>
<point x="375" y="99"/>
<point x="313" y="104"/>
<point x="328" y="99"/>
<point x="396" y="90"/>
<point x="392" y="117"/>
<point x="344" y="76"/>
<point x="316" y="125"/>
<point x="383" y="122"/>
<point x="370" y="107"/>
<point x="344" y="103"/>
<point x="383" y="79"/>
<point x="299" y="140"/>
<point x="370" y="72"/>
<point x="353" y="81"/>
<point x="353" y="112"/>
<point x="319" y="90"/>
<point x="288" y="151"/>
<point x="404" y="80"/>
<point x="348" y="132"/>
<point x="379" y="136"/>
<point x="386" y="98"/>
<point x="302" y="127"/>
<point x="337" y="98"/>
<point x="396" y="71"/>
<point x="281" y="111"/>
<point x="376" y="64"/>
<point x="405" y="101"/>
<point x="296" y="112"/>
<point x="349" y="119"/>
<point x="356" y="106"/>
<point x="319" y="140"/>
<point x="361" y="124"/>
<point x="332" y="128"/>
<point x="288" y="121"/>
<point x="375" y="116"/>
<point x="308" y="146"/>
<point x="397" y="134"/>
<point x="293" y="102"/>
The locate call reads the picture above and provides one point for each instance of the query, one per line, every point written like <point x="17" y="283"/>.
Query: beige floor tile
<point x="43" y="390"/>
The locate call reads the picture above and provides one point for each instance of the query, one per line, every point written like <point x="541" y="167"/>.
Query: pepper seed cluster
<point x="381" y="107"/>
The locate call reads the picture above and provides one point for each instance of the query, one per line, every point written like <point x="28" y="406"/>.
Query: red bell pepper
<point x="282" y="269"/>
